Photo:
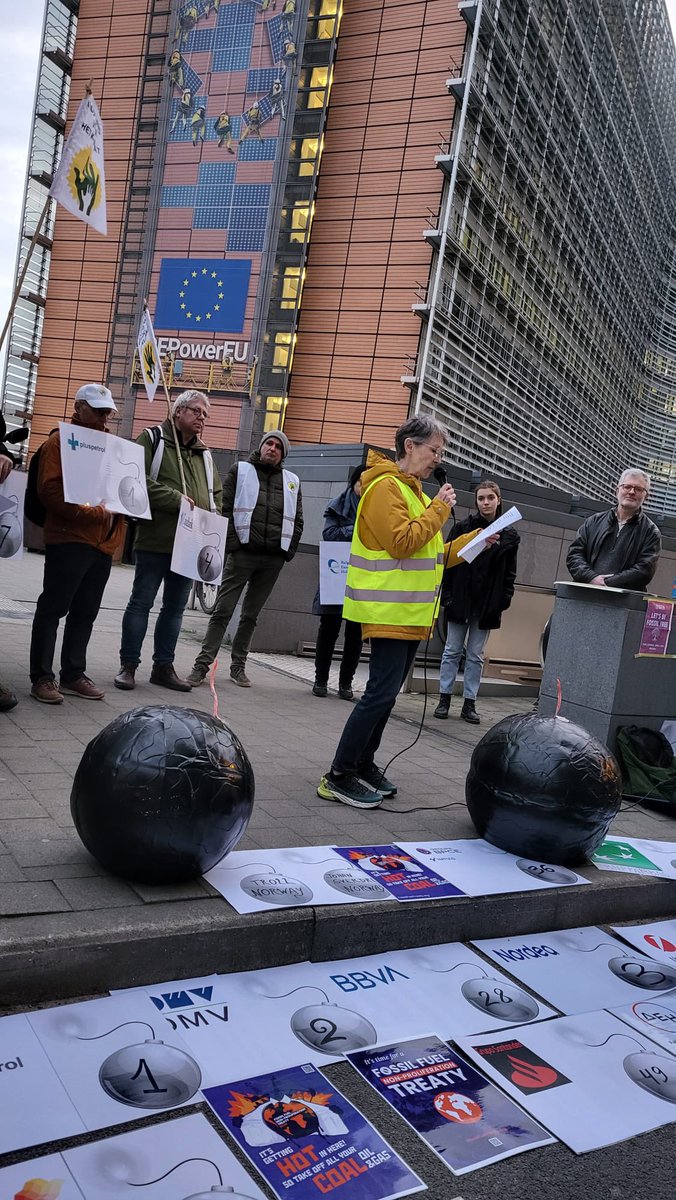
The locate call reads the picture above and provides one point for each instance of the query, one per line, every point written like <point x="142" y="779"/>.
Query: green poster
<point x="622" y="856"/>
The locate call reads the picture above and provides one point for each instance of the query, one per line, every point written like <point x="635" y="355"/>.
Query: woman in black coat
<point x="339" y="518"/>
<point x="474" y="596"/>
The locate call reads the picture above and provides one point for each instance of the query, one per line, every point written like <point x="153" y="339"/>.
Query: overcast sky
<point x="20" y="50"/>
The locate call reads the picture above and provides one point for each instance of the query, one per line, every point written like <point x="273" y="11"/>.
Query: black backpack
<point x="33" y="507"/>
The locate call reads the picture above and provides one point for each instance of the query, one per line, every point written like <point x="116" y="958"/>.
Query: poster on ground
<point x="34" y="1105"/>
<point x="305" y="1138"/>
<point x="399" y="872"/>
<point x="199" y="544"/>
<point x="12" y="496"/>
<point x="657" y="940"/>
<point x="656" y="1018"/>
<point x="587" y="1078"/>
<point x="183" y="1159"/>
<point x="637" y="856"/>
<point x="480" y="869"/>
<point x="255" y="880"/>
<point x="579" y="970"/>
<point x="457" y="1112"/>
<point x="101" y="469"/>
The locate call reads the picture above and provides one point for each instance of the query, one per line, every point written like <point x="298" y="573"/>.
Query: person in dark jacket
<point x="263" y="504"/>
<point x="474" y="596"/>
<point x="619" y="548"/>
<point x="339" y="518"/>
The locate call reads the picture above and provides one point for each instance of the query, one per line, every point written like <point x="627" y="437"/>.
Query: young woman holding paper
<point x="474" y="596"/>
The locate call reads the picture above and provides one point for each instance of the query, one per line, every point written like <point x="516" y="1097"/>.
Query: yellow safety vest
<point x="381" y="590"/>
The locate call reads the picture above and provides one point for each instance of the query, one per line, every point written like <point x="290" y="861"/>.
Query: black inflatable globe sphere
<point x="162" y="794"/>
<point x="543" y="788"/>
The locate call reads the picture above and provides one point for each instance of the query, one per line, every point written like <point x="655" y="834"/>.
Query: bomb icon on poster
<point x="655" y="1073"/>
<point x="276" y="889"/>
<point x="150" y="1075"/>
<point x="651" y="977"/>
<point x="131" y="495"/>
<point x="501" y="1000"/>
<point x="355" y="884"/>
<point x="11" y="531"/>
<point x="546" y="872"/>
<point x="332" y="1029"/>
<point x="209" y="564"/>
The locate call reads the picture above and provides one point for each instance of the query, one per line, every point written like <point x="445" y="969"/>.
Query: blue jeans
<point x="389" y="665"/>
<point x="474" y="657"/>
<point x="152" y="569"/>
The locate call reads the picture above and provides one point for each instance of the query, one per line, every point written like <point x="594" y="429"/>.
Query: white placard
<point x="177" y="1160"/>
<point x="258" y="880"/>
<point x="473" y="549"/>
<point x="580" y="970"/>
<point x="657" y="940"/>
<point x="656" y="1018"/>
<point x="33" y="1103"/>
<point x="49" y="1177"/>
<point x="148" y="355"/>
<point x="480" y="869"/>
<point x="333" y="561"/>
<point x="12" y="496"/>
<point x="99" y="468"/>
<point x="587" y="1078"/>
<point x="199" y="544"/>
<point x="79" y="182"/>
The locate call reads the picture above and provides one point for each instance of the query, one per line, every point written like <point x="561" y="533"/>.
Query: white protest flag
<point x="148" y="354"/>
<point x="79" y="183"/>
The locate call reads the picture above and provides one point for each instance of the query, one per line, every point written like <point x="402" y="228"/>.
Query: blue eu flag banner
<point x="202" y="294"/>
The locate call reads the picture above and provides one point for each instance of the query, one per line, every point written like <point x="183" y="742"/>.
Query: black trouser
<point x="74" y="582"/>
<point x="327" y="636"/>
<point x="390" y="663"/>
<point x="258" y="574"/>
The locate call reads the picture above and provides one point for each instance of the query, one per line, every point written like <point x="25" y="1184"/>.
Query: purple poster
<point x="307" y="1140"/>
<point x="461" y="1116"/>
<point x="656" y="628"/>
<point x="404" y="877"/>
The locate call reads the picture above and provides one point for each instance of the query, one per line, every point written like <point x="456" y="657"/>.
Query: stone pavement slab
<point x="67" y="925"/>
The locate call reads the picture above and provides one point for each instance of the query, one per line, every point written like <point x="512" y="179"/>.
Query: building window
<point x="309" y="151"/>
<point x="281" y="355"/>
<point x="290" y="287"/>
<point x="300" y="220"/>
<point x="319" y="80"/>
<point x="275" y="412"/>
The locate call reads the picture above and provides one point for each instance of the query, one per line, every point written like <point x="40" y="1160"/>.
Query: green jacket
<point x="165" y="492"/>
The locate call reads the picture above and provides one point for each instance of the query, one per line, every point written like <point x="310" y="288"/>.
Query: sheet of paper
<point x="306" y="1139"/>
<point x="101" y="469"/>
<point x="333" y="561"/>
<point x="657" y="940"/>
<point x="12" y="495"/>
<point x="255" y="880"/>
<point x="587" y="1078"/>
<point x="479" y="869"/>
<point x="199" y="544"/>
<point x="473" y="549"/>
<point x="580" y="970"/>
<point x="637" y="856"/>
<point x="457" y="1112"/>
<point x="399" y="872"/>
<point x="183" y="1159"/>
<point x="656" y="1018"/>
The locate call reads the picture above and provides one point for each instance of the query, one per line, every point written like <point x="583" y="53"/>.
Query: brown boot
<point x="125" y="679"/>
<point x="164" y="675"/>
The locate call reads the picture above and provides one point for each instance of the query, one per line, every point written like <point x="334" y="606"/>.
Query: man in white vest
<point x="263" y="504"/>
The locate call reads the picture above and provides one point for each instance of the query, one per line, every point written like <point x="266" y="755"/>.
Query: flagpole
<point x="24" y="271"/>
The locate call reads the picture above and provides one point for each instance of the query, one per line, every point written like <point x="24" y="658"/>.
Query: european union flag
<point x="202" y="294"/>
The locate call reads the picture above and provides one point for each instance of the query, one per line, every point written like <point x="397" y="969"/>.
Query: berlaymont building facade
<point x="342" y="213"/>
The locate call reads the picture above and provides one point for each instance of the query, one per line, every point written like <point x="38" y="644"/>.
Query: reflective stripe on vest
<point x="246" y="499"/>
<point x="382" y="590"/>
<point x="159" y="454"/>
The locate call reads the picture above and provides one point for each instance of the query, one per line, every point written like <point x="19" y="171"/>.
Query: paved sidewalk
<point x="53" y="895"/>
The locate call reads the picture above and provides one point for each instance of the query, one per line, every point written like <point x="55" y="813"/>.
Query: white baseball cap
<point x="96" y="396"/>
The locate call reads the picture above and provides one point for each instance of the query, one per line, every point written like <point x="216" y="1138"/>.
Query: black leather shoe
<point x="164" y="675"/>
<point x="125" y="679"/>
<point x="441" y="711"/>
<point x="469" y="713"/>
<point x="7" y="698"/>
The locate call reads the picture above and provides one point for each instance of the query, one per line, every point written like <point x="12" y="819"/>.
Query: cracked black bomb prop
<point x="543" y="788"/>
<point x="162" y="794"/>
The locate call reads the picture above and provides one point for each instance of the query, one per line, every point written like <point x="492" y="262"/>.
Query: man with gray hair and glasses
<point x="619" y="548"/>
<point x="154" y="539"/>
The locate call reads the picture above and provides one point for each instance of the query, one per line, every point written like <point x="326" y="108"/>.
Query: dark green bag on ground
<point x="648" y="766"/>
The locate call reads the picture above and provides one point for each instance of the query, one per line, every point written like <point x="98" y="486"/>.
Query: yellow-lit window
<point x="319" y="80"/>
<point x="290" y="287"/>
<point x="275" y="412"/>
<point x="282" y="351"/>
<point x="328" y="11"/>
<point x="309" y="149"/>
<point x="300" y="219"/>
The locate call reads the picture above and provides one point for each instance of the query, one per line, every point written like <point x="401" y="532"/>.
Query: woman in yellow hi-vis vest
<point x="396" y="565"/>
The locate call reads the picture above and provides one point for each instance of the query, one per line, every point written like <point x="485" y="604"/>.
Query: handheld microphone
<point x="440" y="475"/>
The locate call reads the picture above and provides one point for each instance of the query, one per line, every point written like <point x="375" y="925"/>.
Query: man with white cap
<point x="263" y="504"/>
<point x="79" y="546"/>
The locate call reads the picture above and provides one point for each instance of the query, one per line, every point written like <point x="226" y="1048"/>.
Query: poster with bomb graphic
<point x="12" y="496"/>
<point x="45" y="1178"/>
<point x="399" y="872"/>
<point x="580" y="970"/>
<point x="587" y="1078"/>
<point x="34" y="1105"/>
<point x="305" y="1138"/>
<point x="335" y="1007"/>
<point x="199" y="544"/>
<point x="101" y="469"/>
<point x="253" y="881"/>
<point x="657" y="940"/>
<point x="183" y="1159"/>
<point x="479" y="869"/>
<point x="116" y="1059"/>
<point x="457" y="1112"/>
